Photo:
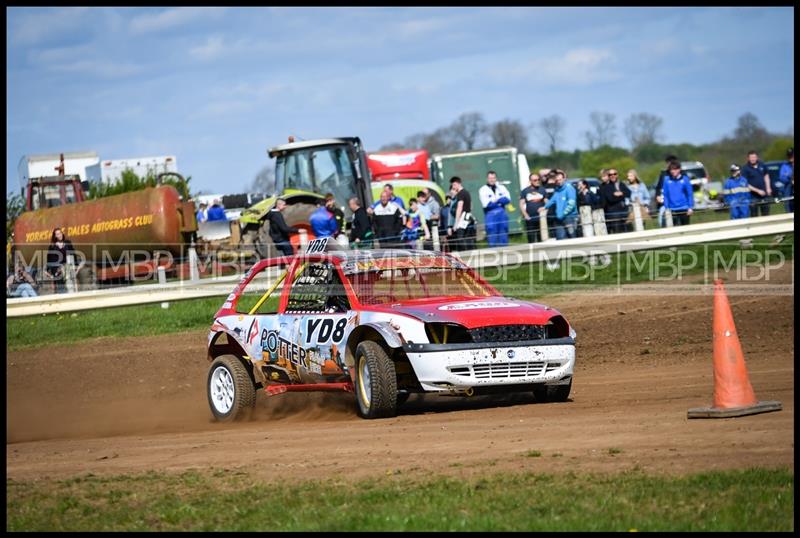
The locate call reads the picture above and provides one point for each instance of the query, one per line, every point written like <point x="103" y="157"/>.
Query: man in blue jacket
<point x="565" y="200"/>
<point x="757" y="176"/>
<point x="323" y="222"/>
<point x="678" y="197"/>
<point x="736" y="193"/>
<point x="786" y="175"/>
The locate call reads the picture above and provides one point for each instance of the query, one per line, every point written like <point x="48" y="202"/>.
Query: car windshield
<point x="320" y="170"/>
<point x="388" y="280"/>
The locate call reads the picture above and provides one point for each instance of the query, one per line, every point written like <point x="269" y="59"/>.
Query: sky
<point x="216" y="87"/>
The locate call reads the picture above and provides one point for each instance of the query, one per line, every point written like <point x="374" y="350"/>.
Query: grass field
<point x="750" y="500"/>
<point x="528" y="281"/>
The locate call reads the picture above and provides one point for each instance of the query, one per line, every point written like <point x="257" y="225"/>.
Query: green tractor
<point x="304" y="172"/>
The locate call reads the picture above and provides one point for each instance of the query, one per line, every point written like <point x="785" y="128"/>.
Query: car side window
<point x="254" y="292"/>
<point x="318" y="288"/>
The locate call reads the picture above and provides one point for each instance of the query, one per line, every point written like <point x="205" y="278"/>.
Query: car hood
<point x="477" y="312"/>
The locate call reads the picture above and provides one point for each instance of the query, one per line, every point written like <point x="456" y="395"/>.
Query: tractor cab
<point x="53" y="191"/>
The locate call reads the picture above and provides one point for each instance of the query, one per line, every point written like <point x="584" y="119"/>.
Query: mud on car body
<point x="383" y="324"/>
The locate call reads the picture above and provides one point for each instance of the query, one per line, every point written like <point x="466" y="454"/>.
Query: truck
<point x="472" y="166"/>
<point x="408" y="171"/>
<point x="115" y="238"/>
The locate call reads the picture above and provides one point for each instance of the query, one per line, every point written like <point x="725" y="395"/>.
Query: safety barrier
<point x="478" y="258"/>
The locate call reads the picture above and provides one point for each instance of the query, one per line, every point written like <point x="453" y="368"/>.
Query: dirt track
<point x="137" y="404"/>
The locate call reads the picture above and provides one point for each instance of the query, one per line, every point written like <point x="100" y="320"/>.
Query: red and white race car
<point x="382" y="324"/>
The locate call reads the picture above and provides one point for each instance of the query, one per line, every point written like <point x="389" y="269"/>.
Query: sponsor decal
<point x="510" y="353"/>
<point x="321" y="331"/>
<point x="317" y="245"/>
<point x="477" y="306"/>
<point x="252" y="332"/>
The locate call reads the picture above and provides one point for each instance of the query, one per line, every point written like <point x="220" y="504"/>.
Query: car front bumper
<point x="458" y="367"/>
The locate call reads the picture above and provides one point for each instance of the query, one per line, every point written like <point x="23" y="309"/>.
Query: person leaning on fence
<point x="20" y="283"/>
<point x="278" y="229"/>
<point x="566" y="213"/>
<point x="613" y="194"/>
<point x="786" y="175"/>
<point x="361" y="234"/>
<point x="387" y="218"/>
<point x="736" y="193"/>
<point x="56" y="268"/>
<point x="530" y="200"/>
<point x="202" y="213"/>
<point x="659" y="188"/>
<point x="639" y="195"/>
<point x="678" y="195"/>
<point x="323" y="222"/>
<point x="756" y="174"/>
<point x="461" y="230"/>
<point x="416" y="225"/>
<point x="338" y="214"/>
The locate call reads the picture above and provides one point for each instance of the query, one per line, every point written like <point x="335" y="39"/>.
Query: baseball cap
<point x="734" y="168"/>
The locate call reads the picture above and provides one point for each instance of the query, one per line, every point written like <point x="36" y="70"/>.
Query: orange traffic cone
<point x="733" y="394"/>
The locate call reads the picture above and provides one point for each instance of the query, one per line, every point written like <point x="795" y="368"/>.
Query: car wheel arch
<point x="230" y="347"/>
<point x="376" y="332"/>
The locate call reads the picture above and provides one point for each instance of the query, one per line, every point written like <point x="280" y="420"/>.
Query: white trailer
<point x="75" y="162"/>
<point x="110" y="170"/>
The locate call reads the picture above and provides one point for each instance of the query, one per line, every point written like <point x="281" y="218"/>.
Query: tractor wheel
<point x="376" y="382"/>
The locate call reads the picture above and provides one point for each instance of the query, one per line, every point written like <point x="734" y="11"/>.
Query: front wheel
<point x="230" y="388"/>
<point x="552" y="393"/>
<point x="376" y="382"/>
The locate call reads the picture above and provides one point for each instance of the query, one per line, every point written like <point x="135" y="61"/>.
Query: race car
<point x="382" y="324"/>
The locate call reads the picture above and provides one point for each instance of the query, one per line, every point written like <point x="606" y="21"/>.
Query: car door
<point x="315" y="322"/>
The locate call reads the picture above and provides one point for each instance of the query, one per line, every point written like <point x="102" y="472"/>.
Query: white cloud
<point x="211" y="49"/>
<point x="44" y="24"/>
<point x="575" y="67"/>
<point x="97" y="68"/>
<point x="170" y="18"/>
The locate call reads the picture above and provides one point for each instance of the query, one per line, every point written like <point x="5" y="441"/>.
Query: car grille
<point x="498" y="370"/>
<point x="508" y="333"/>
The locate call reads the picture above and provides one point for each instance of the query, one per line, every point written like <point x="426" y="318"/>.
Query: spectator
<point x="57" y="253"/>
<point x="361" y="229"/>
<point x="613" y="195"/>
<point x="736" y="193"/>
<point x="323" y="223"/>
<point x="639" y="195"/>
<point x="432" y="207"/>
<point x="388" y="221"/>
<point x="587" y="197"/>
<point x="530" y="200"/>
<point x="659" y="188"/>
<point x="444" y="219"/>
<point x="422" y="204"/>
<point x="549" y="189"/>
<point x="216" y="212"/>
<point x="20" y="283"/>
<point x="202" y="213"/>
<point x="278" y="229"/>
<point x="338" y="214"/>
<point x="461" y="229"/>
<point x="678" y="196"/>
<point x="494" y="198"/>
<point x="392" y="198"/>
<point x="756" y="175"/>
<point x="786" y="175"/>
<point x="566" y="212"/>
<point x="416" y="225"/>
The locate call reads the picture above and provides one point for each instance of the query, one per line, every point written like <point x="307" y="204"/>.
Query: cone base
<point x="728" y="412"/>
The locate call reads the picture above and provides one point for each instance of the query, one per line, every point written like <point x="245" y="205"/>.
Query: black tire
<point x="294" y="214"/>
<point x="241" y="383"/>
<point x="376" y="396"/>
<point x="552" y="393"/>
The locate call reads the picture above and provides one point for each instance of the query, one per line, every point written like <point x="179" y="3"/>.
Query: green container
<point x="472" y="166"/>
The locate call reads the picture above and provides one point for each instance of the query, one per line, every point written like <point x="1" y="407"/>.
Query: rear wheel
<point x="552" y="393"/>
<point x="230" y="388"/>
<point x="376" y="382"/>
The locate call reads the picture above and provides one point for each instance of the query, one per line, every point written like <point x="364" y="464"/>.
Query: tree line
<point x="642" y="130"/>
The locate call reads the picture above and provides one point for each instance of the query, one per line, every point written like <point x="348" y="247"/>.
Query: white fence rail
<point x="481" y="258"/>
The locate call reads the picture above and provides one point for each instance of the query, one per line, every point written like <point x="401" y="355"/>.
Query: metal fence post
<point x="194" y="273"/>
<point x="162" y="275"/>
<point x="668" y="218"/>
<point x="435" y="235"/>
<point x="586" y="221"/>
<point x="72" y="285"/>
<point x="599" y="220"/>
<point x="638" y="223"/>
